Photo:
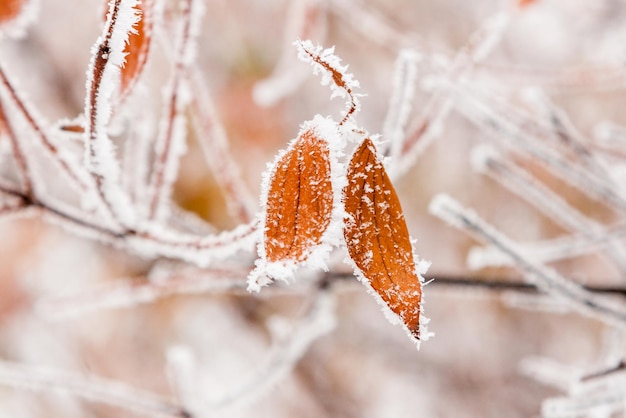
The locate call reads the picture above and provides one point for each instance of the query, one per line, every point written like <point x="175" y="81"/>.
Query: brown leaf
<point x="377" y="236"/>
<point x="300" y="200"/>
<point x="10" y="9"/>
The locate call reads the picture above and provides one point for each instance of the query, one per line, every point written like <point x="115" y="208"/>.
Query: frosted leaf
<point x="301" y="215"/>
<point x="378" y="241"/>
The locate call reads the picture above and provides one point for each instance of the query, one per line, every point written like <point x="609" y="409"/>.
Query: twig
<point x="69" y="168"/>
<point x="485" y="159"/>
<point x="343" y="83"/>
<point x="305" y="20"/>
<point x="567" y="134"/>
<point x="427" y="127"/>
<point x="481" y="111"/>
<point x="103" y="80"/>
<point x="21" y="161"/>
<point x="317" y="321"/>
<point x="149" y="243"/>
<point x="91" y="388"/>
<point x="128" y="293"/>
<point x="401" y="100"/>
<point x="544" y="278"/>
<point x="212" y="138"/>
<point x="170" y="143"/>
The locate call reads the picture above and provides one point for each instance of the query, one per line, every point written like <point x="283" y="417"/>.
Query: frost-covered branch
<point x="290" y="347"/>
<point x="103" y="80"/>
<point x="429" y="124"/>
<point x="486" y="160"/>
<point x="401" y="100"/>
<point x="544" y="278"/>
<point x="21" y="160"/>
<point x="90" y="388"/>
<point x="70" y="168"/>
<point x="171" y="140"/>
<point x="326" y="62"/>
<point x="482" y="111"/>
<point x="128" y="293"/>
<point x="306" y="19"/>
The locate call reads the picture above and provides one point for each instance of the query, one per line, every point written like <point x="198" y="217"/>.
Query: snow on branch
<point x="505" y="171"/>
<point x="326" y="62"/>
<point x="127" y="293"/>
<point x="428" y="125"/>
<point x="20" y="157"/>
<point x="171" y="140"/>
<point x="91" y="388"/>
<point x="65" y="161"/>
<point x="103" y="80"/>
<point x="306" y="19"/>
<point x="544" y="278"/>
<point x="290" y="346"/>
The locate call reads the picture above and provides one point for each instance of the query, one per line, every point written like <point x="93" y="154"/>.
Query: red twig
<point x="18" y="153"/>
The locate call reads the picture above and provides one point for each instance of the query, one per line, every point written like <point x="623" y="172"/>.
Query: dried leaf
<point x="10" y="9"/>
<point x="377" y="236"/>
<point x="300" y="200"/>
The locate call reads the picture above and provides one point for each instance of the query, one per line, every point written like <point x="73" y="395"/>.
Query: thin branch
<point x="567" y="134"/>
<point x="548" y="280"/>
<point x="343" y="83"/>
<point x="428" y="125"/>
<point x="152" y="243"/>
<point x="485" y="159"/>
<point x="90" y="388"/>
<point x="21" y="161"/>
<point x="102" y="81"/>
<point x="128" y="293"/>
<point x="170" y="144"/>
<point x="318" y="320"/>
<point x="401" y="100"/>
<point x="480" y="110"/>
<point x="306" y="19"/>
<point x="494" y="285"/>
<point x="69" y="168"/>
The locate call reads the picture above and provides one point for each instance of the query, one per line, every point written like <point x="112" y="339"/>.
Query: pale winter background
<point x="526" y="93"/>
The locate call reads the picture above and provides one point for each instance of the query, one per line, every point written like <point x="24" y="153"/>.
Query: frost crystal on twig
<point x="103" y="79"/>
<point x="342" y="83"/>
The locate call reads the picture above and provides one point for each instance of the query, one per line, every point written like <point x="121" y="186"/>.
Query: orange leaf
<point x="300" y="200"/>
<point x="10" y="9"/>
<point x="377" y="236"/>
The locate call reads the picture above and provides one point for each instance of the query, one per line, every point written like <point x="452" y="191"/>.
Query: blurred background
<point x="366" y="367"/>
